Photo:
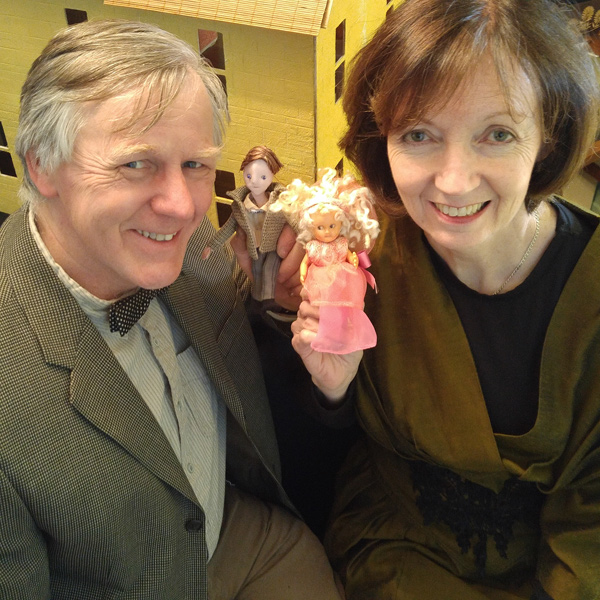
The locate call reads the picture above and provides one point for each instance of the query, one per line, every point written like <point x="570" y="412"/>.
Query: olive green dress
<point x="420" y="403"/>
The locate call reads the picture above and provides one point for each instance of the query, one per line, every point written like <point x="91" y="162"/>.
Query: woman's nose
<point x="458" y="171"/>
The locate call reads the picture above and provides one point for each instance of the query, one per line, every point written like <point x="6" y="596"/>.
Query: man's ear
<point x="42" y="180"/>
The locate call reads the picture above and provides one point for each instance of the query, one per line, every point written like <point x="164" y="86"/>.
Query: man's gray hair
<point x="96" y="61"/>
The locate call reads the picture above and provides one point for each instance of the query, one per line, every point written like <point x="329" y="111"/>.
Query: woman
<point x="479" y="472"/>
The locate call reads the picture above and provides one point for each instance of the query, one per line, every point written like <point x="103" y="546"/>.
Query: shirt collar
<point x="249" y="204"/>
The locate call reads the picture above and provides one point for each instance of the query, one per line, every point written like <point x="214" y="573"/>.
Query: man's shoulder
<point x="31" y="297"/>
<point x="11" y="228"/>
<point x="199" y="241"/>
<point x="10" y="231"/>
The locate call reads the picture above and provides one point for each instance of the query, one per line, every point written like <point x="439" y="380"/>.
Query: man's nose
<point x="172" y="194"/>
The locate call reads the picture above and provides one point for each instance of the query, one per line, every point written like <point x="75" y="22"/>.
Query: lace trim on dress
<point x="473" y="511"/>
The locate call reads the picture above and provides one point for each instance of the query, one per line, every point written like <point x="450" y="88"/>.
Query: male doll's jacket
<point x="272" y="226"/>
<point x="93" y="501"/>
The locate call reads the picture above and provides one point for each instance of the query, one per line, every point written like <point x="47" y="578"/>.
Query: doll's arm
<point x="304" y="268"/>
<point x="352" y="258"/>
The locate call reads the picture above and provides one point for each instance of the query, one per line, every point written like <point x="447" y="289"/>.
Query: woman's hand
<point x="331" y="373"/>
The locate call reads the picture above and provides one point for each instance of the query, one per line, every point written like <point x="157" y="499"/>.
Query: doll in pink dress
<point x="335" y="221"/>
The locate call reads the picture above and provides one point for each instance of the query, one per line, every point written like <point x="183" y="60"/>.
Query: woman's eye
<point x="192" y="164"/>
<point x="500" y="135"/>
<point x="415" y="136"/>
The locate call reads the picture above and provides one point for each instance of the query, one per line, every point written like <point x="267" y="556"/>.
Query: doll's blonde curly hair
<point x="350" y="203"/>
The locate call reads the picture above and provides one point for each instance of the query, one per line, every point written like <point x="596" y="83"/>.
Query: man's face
<point x="121" y="211"/>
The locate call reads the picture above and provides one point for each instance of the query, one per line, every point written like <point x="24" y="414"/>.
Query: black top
<point x="506" y="332"/>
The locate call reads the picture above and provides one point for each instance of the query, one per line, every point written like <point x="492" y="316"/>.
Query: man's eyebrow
<point x="124" y="150"/>
<point x="210" y="152"/>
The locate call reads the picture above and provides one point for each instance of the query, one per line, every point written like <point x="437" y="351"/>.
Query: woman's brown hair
<point x="425" y="49"/>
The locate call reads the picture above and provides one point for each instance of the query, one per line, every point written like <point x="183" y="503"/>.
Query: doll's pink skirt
<point x="339" y="291"/>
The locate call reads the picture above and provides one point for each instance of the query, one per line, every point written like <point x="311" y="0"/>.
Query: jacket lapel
<point x="99" y="388"/>
<point x="185" y="300"/>
<point x="103" y="393"/>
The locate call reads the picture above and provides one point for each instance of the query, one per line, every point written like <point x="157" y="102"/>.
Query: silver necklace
<point x="527" y="252"/>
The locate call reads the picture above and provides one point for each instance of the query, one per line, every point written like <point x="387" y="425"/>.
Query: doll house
<point x="585" y="187"/>
<point x="282" y="62"/>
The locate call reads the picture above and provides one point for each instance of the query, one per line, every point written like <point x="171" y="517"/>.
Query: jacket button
<point x="194" y="525"/>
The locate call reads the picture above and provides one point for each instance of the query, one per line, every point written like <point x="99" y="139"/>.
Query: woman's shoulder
<point x="570" y="214"/>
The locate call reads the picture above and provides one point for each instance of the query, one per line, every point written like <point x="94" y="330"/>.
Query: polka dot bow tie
<point x="125" y="313"/>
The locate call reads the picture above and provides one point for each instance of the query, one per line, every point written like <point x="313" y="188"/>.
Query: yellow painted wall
<point x="270" y="80"/>
<point x="362" y="19"/>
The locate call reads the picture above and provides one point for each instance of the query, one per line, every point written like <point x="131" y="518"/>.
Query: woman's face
<point x="463" y="171"/>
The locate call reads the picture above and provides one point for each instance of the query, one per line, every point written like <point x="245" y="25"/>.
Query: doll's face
<point x="325" y="227"/>
<point x="257" y="177"/>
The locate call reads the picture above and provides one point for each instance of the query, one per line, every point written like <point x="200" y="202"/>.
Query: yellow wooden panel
<point x="297" y="16"/>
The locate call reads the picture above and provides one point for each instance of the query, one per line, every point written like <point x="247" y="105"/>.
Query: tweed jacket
<point x="274" y="222"/>
<point x="94" y="503"/>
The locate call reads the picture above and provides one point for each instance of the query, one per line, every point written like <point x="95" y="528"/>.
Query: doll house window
<point x="223" y="213"/>
<point x="224" y="182"/>
<point x="7" y="166"/>
<point x="340" y="54"/>
<point x="339" y="82"/>
<point x="210" y="45"/>
<point x="75" y="16"/>
<point x="340" y="41"/>
<point x="390" y="8"/>
<point x="3" y="142"/>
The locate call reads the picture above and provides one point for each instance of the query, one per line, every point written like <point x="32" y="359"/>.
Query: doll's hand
<point x="331" y="373"/>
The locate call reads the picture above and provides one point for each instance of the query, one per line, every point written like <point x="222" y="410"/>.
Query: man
<point x="137" y="457"/>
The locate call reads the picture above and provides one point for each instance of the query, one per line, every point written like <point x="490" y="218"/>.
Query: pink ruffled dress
<point x="338" y="289"/>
